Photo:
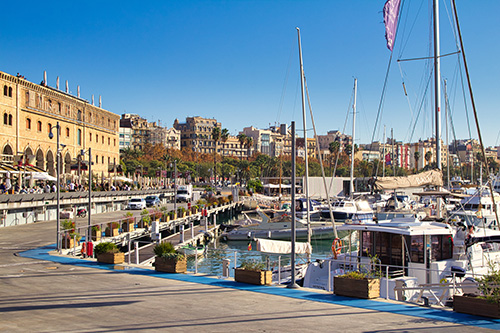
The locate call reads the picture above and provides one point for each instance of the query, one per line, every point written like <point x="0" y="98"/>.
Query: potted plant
<point x="70" y="236"/>
<point x="113" y="229"/>
<point x="356" y="284"/>
<point x="488" y="303"/>
<point x="359" y="284"/>
<point x="128" y="222"/>
<point x="145" y="219"/>
<point x="253" y="272"/>
<point x="96" y="233"/>
<point x="194" y="209"/>
<point x="168" y="259"/>
<point x="181" y="212"/>
<point x="156" y="215"/>
<point x="109" y="253"/>
<point x="164" y="214"/>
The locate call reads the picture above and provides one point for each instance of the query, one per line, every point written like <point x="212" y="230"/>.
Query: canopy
<point x="433" y="177"/>
<point x="41" y="176"/>
<point x="274" y="246"/>
<point x="122" y="179"/>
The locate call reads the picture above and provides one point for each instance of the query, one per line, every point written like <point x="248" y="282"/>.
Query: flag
<point x="391" y="13"/>
<point x="388" y="159"/>
<point x="249" y="248"/>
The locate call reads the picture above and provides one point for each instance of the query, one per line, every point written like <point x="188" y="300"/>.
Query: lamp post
<point x="58" y="190"/>
<point x="142" y="176"/>
<point x="89" y="229"/>
<point x="175" y="184"/>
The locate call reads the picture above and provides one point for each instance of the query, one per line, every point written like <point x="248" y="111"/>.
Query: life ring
<point x="84" y="248"/>
<point x="336" y="247"/>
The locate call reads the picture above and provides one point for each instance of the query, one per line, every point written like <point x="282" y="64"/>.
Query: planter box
<point x="111" y="258"/>
<point x="111" y="232"/>
<point x="476" y="306"/>
<point x="364" y="288"/>
<point x="170" y="265"/>
<point x="96" y="235"/>
<point x="128" y="226"/>
<point x="253" y="277"/>
<point x="68" y="243"/>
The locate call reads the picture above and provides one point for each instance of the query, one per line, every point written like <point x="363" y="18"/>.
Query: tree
<point x="223" y="137"/>
<point x="215" y="137"/>
<point x="242" y="138"/>
<point x="428" y="156"/>
<point x="249" y="144"/>
<point x="416" y="156"/>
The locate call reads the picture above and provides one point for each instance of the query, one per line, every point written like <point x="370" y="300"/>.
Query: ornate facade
<point x="31" y="111"/>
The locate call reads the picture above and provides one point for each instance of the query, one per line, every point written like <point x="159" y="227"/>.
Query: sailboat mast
<point x="353" y="136"/>
<point x="446" y="106"/>
<point x="437" y="92"/>
<point x="383" y="157"/>
<point x="306" y="178"/>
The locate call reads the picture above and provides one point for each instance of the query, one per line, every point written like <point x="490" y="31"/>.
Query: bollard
<point x="129" y="243"/>
<point x="195" y="262"/>
<point x="181" y="235"/>
<point x="225" y="268"/>
<point x="330" y="275"/>
<point x="191" y="225"/>
<point x="74" y="245"/>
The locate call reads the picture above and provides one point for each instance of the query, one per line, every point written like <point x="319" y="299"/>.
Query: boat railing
<point x="452" y="282"/>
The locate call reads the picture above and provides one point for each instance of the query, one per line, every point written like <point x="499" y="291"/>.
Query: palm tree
<point x="223" y="137"/>
<point x="416" y="155"/>
<point x="428" y="157"/>
<point x="242" y="138"/>
<point x="216" y="138"/>
<point x="249" y="144"/>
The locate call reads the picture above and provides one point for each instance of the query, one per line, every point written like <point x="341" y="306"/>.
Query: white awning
<point x="275" y="246"/>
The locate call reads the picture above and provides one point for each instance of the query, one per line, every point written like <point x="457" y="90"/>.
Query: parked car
<point x="152" y="200"/>
<point x="136" y="203"/>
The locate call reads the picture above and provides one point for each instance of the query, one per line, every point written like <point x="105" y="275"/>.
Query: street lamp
<point x="82" y="154"/>
<point x="58" y="190"/>
<point x="142" y="175"/>
<point x="175" y="184"/>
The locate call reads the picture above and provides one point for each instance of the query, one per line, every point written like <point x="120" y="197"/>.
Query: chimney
<point x="78" y="91"/>
<point x="44" y="78"/>
<point x="57" y="83"/>
<point x="92" y="99"/>
<point x="67" y="87"/>
<point x="100" y="101"/>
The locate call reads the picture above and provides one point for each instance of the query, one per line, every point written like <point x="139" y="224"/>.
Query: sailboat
<point x="411" y="255"/>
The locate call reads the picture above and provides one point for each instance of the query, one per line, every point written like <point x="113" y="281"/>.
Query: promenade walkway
<point x="43" y="292"/>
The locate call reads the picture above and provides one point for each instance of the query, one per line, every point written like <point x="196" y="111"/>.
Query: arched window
<point x="27" y="98"/>
<point x="49" y="127"/>
<point x="5" y="118"/>
<point x="10" y="91"/>
<point x="28" y="123"/>
<point x="109" y="141"/>
<point x="114" y="142"/>
<point x="67" y="132"/>
<point x="102" y="139"/>
<point x="5" y="90"/>
<point x="97" y="138"/>
<point x="59" y="107"/>
<point x="102" y="159"/>
<point x="10" y="119"/>
<point x="78" y="137"/>
<point x="79" y="115"/>
<point x="90" y="137"/>
<point x="39" y="126"/>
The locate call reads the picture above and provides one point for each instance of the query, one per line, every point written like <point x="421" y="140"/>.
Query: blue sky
<point x="237" y="61"/>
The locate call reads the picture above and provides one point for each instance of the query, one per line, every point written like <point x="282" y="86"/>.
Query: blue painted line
<point x="42" y="253"/>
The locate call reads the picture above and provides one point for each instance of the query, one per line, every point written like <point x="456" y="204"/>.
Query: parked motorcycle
<point x="82" y="212"/>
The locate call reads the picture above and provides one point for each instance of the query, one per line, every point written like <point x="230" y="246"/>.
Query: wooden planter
<point x="112" y="231"/>
<point x="363" y="288"/>
<point x="96" y="235"/>
<point x="111" y="258"/>
<point x="143" y="224"/>
<point x="68" y="243"/>
<point x="253" y="277"/>
<point x="476" y="306"/>
<point x="170" y="265"/>
<point x="128" y="226"/>
<point x="173" y="216"/>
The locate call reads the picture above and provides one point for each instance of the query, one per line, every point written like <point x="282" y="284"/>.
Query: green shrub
<point x="106" y="247"/>
<point x="354" y="275"/>
<point x="163" y="248"/>
<point x="253" y="265"/>
<point x="489" y="284"/>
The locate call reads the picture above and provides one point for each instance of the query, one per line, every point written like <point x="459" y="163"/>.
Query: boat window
<point x="348" y="204"/>
<point x="417" y="249"/>
<point x="366" y="243"/>
<point x="442" y="247"/>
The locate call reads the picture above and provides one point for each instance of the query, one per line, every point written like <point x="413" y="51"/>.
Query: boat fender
<point x="336" y="247"/>
<point x="84" y="248"/>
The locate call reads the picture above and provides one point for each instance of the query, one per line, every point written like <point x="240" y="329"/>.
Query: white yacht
<point x="409" y="252"/>
<point x="478" y="209"/>
<point x="348" y="210"/>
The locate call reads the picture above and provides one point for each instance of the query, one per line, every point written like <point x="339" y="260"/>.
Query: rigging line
<point x="428" y="58"/>
<point x="406" y="94"/>
<point x="452" y="125"/>
<point x="285" y="84"/>
<point x="420" y="107"/>
<point x="411" y="28"/>
<point x="320" y="160"/>
<point x="484" y="159"/>
<point x="339" y="151"/>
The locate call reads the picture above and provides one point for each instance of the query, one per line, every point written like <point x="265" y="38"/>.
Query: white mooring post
<point x="191" y="225"/>
<point x="181" y="240"/>
<point x="136" y="248"/>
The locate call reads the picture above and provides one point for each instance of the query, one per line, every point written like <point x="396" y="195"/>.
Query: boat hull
<point x="286" y="234"/>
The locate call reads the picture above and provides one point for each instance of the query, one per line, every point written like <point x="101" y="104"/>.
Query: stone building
<point x="168" y="137"/>
<point x="31" y="111"/>
<point x="196" y="134"/>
